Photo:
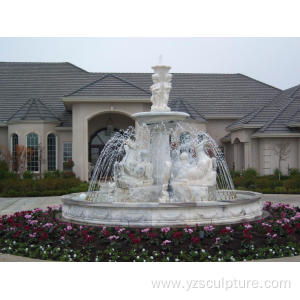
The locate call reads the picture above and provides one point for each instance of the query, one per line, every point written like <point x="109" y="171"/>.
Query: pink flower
<point x="48" y="225"/>
<point x="145" y="230"/>
<point x="274" y="235"/>
<point x="121" y="230"/>
<point x="188" y="230"/>
<point x="217" y="240"/>
<point x="32" y="235"/>
<point x="248" y="226"/>
<point x="165" y="242"/>
<point x="28" y="216"/>
<point x="69" y="227"/>
<point x="113" y="237"/>
<point x="209" y="228"/>
<point x="32" y="222"/>
<point x="165" y="229"/>
<point x="62" y="238"/>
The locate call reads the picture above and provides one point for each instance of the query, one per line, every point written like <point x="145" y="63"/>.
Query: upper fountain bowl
<point x="159" y="117"/>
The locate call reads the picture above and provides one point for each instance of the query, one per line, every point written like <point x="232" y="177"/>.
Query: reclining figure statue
<point x="134" y="169"/>
<point x="203" y="173"/>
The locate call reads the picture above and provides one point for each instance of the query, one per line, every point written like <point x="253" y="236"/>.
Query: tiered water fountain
<point x="161" y="174"/>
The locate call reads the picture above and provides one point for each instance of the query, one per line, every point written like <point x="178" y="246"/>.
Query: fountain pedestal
<point x="160" y="124"/>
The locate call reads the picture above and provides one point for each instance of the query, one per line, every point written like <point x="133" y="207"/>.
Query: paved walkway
<point x="11" y="205"/>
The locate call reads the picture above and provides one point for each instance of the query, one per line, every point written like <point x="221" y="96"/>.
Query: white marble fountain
<point x="159" y="174"/>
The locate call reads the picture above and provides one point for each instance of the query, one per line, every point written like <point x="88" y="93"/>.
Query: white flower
<point x="203" y="250"/>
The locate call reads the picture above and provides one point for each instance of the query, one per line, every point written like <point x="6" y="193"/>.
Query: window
<point x="51" y="152"/>
<point x="33" y="152"/>
<point x="14" y="144"/>
<point x="67" y="155"/>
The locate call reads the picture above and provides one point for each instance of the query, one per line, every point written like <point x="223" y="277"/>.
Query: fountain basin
<point x="246" y="207"/>
<point x="158" y="117"/>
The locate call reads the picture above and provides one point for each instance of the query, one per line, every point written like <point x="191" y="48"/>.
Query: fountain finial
<point x="161" y="87"/>
<point x="160" y="60"/>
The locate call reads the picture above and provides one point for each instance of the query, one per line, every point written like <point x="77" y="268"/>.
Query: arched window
<point x="51" y="152"/>
<point x="14" y="144"/>
<point x="33" y="152"/>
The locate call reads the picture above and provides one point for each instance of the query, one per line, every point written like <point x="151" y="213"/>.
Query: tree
<point x="282" y="150"/>
<point x="16" y="161"/>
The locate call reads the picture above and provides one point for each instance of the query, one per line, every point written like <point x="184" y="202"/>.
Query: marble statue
<point x="201" y="173"/>
<point x="134" y="169"/>
<point x="161" y="89"/>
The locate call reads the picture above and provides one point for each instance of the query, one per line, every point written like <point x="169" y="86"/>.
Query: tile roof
<point x="276" y="115"/>
<point x="33" y="110"/>
<point x="110" y="85"/>
<point x="201" y="94"/>
<point x="179" y="105"/>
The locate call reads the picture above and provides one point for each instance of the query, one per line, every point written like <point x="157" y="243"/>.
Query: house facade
<point x="63" y="113"/>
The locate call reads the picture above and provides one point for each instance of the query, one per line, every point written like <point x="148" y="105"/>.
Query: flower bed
<point x="38" y="234"/>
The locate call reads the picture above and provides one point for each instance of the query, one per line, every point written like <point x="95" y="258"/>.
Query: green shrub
<point x="68" y="174"/>
<point x="234" y="173"/>
<point x="41" y="187"/>
<point x="28" y="175"/>
<point x="3" y="166"/>
<point x="292" y="183"/>
<point x="4" y="171"/>
<point x="250" y="172"/>
<point x="52" y="174"/>
<point x="280" y="190"/>
<point x="294" y="172"/>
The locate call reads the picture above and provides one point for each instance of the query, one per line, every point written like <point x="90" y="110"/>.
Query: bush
<point x="4" y="171"/>
<point x="294" y="172"/>
<point x="41" y="187"/>
<point x="68" y="174"/>
<point x="52" y="174"/>
<point x="3" y="166"/>
<point x="270" y="184"/>
<point x="28" y="175"/>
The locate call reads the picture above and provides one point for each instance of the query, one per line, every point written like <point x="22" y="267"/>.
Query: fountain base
<point x="246" y="207"/>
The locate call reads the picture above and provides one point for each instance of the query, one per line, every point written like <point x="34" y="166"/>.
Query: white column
<point x="80" y="145"/>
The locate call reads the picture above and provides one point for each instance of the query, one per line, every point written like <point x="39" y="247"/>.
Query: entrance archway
<point x="97" y="143"/>
<point x="101" y="128"/>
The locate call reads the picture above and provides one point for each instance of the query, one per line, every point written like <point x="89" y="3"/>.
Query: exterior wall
<point x="269" y="159"/>
<point x="259" y="153"/>
<point x="216" y="128"/>
<point x="82" y="114"/>
<point x="4" y="136"/>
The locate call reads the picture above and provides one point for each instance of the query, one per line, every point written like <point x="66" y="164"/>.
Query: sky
<point x="275" y="61"/>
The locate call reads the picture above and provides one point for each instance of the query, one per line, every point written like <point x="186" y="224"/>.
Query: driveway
<point x="12" y="205"/>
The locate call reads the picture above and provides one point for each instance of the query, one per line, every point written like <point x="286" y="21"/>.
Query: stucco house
<point x="71" y="113"/>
